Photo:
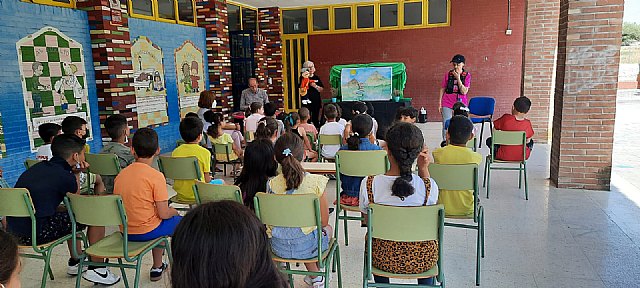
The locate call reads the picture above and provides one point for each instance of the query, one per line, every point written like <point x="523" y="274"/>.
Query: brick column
<point x="212" y="15"/>
<point x="541" y="40"/>
<point x="589" y="39"/>
<point x="269" y="23"/>
<point x="111" y="50"/>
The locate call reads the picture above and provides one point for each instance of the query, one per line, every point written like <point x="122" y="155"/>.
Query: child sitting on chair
<point x="360" y="108"/>
<point x="459" y="109"/>
<point x="89" y="183"/>
<point x="457" y="203"/>
<point x="47" y="131"/>
<point x="217" y="136"/>
<point x="305" y="117"/>
<point x="297" y="243"/>
<point x="145" y="198"/>
<point x="191" y="133"/>
<point x="515" y="121"/>
<point x="400" y="187"/>
<point x="358" y="141"/>
<point x="118" y="129"/>
<point x="330" y="127"/>
<point x="292" y="124"/>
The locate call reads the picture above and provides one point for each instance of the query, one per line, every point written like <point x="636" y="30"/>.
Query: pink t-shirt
<point x="449" y="99"/>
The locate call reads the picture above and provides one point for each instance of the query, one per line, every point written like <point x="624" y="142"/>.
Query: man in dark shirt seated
<point x="48" y="182"/>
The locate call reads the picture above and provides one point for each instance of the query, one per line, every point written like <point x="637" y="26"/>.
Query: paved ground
<point x="626" y="148"/>
<point x="558" y="238"/>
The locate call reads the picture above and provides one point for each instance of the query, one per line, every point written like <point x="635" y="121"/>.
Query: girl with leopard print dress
<point x="400" y="187"/>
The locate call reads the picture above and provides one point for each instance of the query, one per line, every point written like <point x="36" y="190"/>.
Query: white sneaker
<point x="307" y="279"/>
<point x="101" y="276"/>
<point x="72" y="270"/>
<point x="318" y="282"/>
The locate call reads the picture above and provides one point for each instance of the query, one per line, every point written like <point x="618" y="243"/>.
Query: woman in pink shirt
<point x="454" y="88"/>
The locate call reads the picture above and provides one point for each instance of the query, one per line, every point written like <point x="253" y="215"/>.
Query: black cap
<point x="457" y="59"/>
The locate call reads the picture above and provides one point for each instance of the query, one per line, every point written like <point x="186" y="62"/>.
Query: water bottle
<point x="422" y="118"/>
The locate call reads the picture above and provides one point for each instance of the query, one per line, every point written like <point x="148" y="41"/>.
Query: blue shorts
<point x="166" y="228"/>
<point x="294" y="244"/>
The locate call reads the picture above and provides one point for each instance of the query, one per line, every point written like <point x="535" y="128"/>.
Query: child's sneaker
<point x="156" y="273"/>
<point x="315" y="282"/>
<point x="101" y="275"/>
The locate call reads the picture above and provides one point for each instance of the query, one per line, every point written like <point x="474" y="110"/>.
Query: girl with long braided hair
<point x="400" y="187"/>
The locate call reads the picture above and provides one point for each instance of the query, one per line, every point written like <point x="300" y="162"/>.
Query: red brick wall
<point x="541" y="41"/>
<point x="212" y="15"/>
<point x="585" y="94"/>
<point x="477" y="30"/>
<point x="115" y="94"/>
<point x="271" y="64"/>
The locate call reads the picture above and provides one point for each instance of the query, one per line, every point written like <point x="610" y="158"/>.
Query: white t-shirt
<point x="331" y="128"/>
<point x="44" y="153"/>
<point x="342" y="121"/>
<point x="382" y="192"/>
<point x="251" y="122"/>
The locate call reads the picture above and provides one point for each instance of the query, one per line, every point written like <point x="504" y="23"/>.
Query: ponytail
<point x="267" y="126"/>
<point x="290" y="120"/>
<point x="404" y="143"/>
<point x="213" y="130"/>
<point x="361" y="126"/>
<point x="292" y="171"/>
<point x="289" y="151"/>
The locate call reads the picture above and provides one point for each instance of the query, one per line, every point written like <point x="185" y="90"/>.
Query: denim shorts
<point x="291" y="243"/>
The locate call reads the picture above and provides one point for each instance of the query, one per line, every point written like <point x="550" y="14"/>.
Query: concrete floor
<point x="558" y="238"/>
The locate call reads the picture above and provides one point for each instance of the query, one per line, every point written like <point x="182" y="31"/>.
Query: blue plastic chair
<point x="482" y="107"/>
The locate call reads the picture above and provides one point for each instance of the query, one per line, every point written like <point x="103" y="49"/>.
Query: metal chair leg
<point x="339" y="267"/>
<point x="481" y="132"/>
<point x="478" y="257"/>
<point x="526" y="185"/>
<point x="346" y="229"/>
<point x="488" y="179"/>
<point x="520" y="177"/>
<point x="124" y="274"/>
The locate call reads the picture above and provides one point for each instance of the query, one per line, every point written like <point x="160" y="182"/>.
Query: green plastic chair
<point x="326" y="139"/>
<point x="404" y="224"/>
<point x="463" y="177"/>
<point x="213" y="192"/>
<point x="506" y="138"/>
<point x="357" y="164"/>
<point x="28" y="163"/>
<point x="16" y="202"/>
<point x="249" y="136"/>
<point x="103" y="164"/>
<point x="473" y="144"/>
<point x="226" y="149"/>
<point x="109" y="211"/>
<point x="276" y="210"/>
<point x="180" y="168"/>
<point x="312" y="140"/>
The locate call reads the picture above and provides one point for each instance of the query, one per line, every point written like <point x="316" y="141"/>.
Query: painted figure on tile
<point x="69" y="82"/>
<point x="194" y="77"/>
<point x="37" y="87"/>
<point x="157" y="82"/>
<point x="186" y="78"/>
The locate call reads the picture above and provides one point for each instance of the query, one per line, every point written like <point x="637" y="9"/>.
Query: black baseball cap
<point x="457" y="59"/>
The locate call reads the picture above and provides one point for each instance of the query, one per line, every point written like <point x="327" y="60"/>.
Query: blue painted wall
<point x="20" y="19"/>
<point x="169" y="37"/>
